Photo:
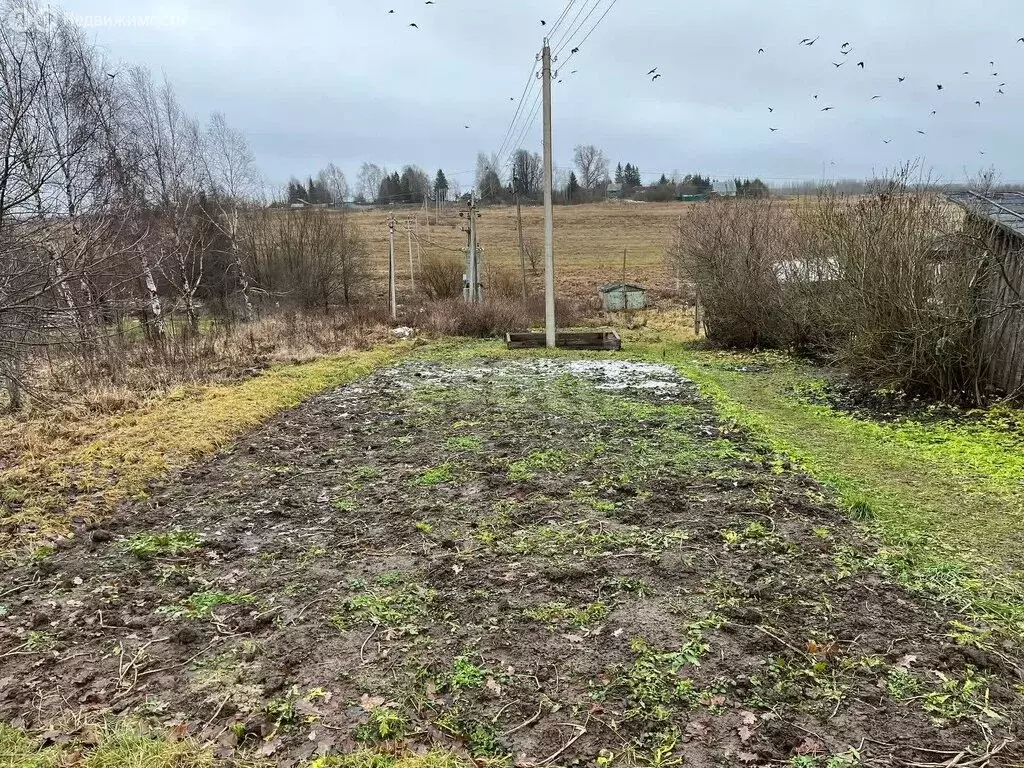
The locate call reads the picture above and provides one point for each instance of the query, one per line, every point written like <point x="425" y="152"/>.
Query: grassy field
<point x="589" y="242"/>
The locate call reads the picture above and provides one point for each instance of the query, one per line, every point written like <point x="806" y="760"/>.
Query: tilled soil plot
<point x="536" y="561"/>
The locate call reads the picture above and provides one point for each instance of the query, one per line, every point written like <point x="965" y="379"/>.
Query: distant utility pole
<point x="473" y="264"/>
<point x="522" y="249"/>
<point x="392" y="294"/>
<point x="549" y="215"/>
<point x="412" y="269"/>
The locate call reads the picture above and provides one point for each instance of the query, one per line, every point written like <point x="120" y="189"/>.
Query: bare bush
<point x="492" y="317"/>
<point x="440" y="277"/>
<point x="731" y="250"/>
<point x="502" y="283"/>
<point x="533" y="251"/>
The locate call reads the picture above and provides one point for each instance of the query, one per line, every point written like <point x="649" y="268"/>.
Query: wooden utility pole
<point x="549" y="216"/>
<point x="522" y="249"/>
<point x="392" y="293"/>
<point x="412" y="269"/>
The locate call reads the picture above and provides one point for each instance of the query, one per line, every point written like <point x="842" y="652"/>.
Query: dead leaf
<point x="749" y="718"/>
<point x="457" y="569"/>
<point x="370" y="703"/>
<point x="696" y="728"/>
<point x="905" y="662"/>
<point x="747" y="757"/>
<point x="269" y="748"/>
<point x="810" y="747"/>
<point x="618" y="632"/>
<point x="493" y="686"/>
<point x="178" y="733"/>
<point x="574" y="638"/>
<point x="744" y="732"/>
<point x="717" y="701"/>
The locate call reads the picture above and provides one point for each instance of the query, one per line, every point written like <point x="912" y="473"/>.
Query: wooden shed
<point x="619" y="296"/>
<point x="998" y="217"/>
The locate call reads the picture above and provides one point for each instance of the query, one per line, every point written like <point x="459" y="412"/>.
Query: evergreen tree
<point x="573" y="189"/>
<point x="441" y="186"/>
<point x="618" y="173"/>
<point x="663" y="181"/>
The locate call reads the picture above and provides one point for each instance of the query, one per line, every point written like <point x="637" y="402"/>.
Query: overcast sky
<point x="312" y="81"/>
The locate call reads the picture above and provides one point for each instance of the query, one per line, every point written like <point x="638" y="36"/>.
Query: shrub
<point x="441" y="278"/>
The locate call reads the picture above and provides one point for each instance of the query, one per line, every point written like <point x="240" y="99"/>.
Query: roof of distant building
<point x="1005" y="209"/>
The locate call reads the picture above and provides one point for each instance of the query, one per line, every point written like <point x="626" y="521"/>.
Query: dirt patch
<point x="541" y="561"/>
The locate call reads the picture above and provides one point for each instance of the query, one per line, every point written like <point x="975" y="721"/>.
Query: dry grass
<point x="589" y="241"/>
<point x="59" y="472"/>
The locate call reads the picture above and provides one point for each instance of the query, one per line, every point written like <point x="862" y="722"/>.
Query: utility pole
<point x="412" y="269"/>
<point x="473" y="273"/>
<point x="391" y="269"/>
<point x="522" y="249"/>
<point x="549" y="222"/>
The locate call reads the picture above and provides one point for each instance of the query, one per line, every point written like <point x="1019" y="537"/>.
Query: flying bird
<point x="653" y="71"/>
<point x="934" y="112"/>
<point x="575" y="50"/>
<point x="771" y="109"/>
<point x="655" y="78"/>
<point x="111" y="75"/>
<point x="466" y="126"/>
<point x="886" y="141"/>
<point x="430" y="2"/>
<point x="845" y="45"/>
<point x="847" y="53"/>
<point x="760" y="50"/>
<point x="978" y="103"/>
<point x="414" y="24"/>
<point x="875" y="97"/>
<point x="826" y="109"/>
<point x="1000" y="90"/>
<point x="391" y="11"/>
<point x="773" y="130"/>
<point x="574" y="72"/>
<point x="837" y="66"/>
<point x="901" y="79"/>
<point x="860" y="64"/>
<point x="543" y="23"/>
<point x="922" y="133"/>
<point x="939" y="86"/>
<point x="812" y="42"/>
<point x="1020" y="39"/>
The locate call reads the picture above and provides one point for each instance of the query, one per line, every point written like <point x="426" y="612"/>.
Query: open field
<point x="590" y="240"/>
<point x="536" y="559"/>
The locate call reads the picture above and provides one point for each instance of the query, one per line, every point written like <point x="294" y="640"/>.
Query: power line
<point x="561" y="18"/>
<point x="530" y="122"/>
<point x="522" y="100"/>
<point x="596" y="25"/>
<point x="572" y="24"/>
<point x="575" y="30"/>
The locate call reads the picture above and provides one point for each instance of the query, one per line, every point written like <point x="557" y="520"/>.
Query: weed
<point x="543" y="461"/>
<point x="654" y="684"/>
<point x="860" y="509"/>
<point x="343" y="505"/>
<point x="160" y="544"/>
<point x="901" y="684"/>
<point x="366" y="758"/>
<point x="464" y="443"/>
<point x="200" y="605"/>
<point x="560" y="613"/>
<point x="393" y="604"/>
<point x="385" y="724"/>
<point x="637" y="587"/>
<point x="443" y="473"/>
<point x="465" y="675"/>
<point x="957" y="699"/>
<point x="423" y="527"/>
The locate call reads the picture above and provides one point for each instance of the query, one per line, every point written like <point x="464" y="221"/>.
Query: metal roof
<point x="620" y="286"/>
<point x="1005" y="209"/>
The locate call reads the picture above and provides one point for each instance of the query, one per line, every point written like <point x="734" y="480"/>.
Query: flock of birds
<point x="845" y="50"/>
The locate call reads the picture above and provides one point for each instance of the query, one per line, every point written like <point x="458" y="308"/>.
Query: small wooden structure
<point x="608" y="341"/>
<point x="621" y="295"/>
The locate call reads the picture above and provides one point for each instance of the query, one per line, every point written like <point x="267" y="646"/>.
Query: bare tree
<point x="526" y="173"/>
<point x="234" y="183"/>
<point x="369" y="180"/>
<point x="332" y="178"/>
<point x="592" y="165"/>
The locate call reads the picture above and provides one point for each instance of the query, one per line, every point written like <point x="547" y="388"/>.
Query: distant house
<point x="725" y="188"/>
<point x="619" y="296"/>
<point x="614" y="191"/>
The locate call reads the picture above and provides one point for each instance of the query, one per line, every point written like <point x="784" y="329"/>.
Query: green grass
<point x="560" y="613"/>
<point x="120" y="745"/>
<point x="157" y="544"/>
<point x="945" y="500"/>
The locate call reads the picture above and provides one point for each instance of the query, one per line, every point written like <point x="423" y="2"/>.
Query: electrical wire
<point x="522" y="100"/>
<point x="565" y="42"/>
<point x="561" y="18"/>
<point x="572" y="24"/>
<point x="528" y="124"/>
